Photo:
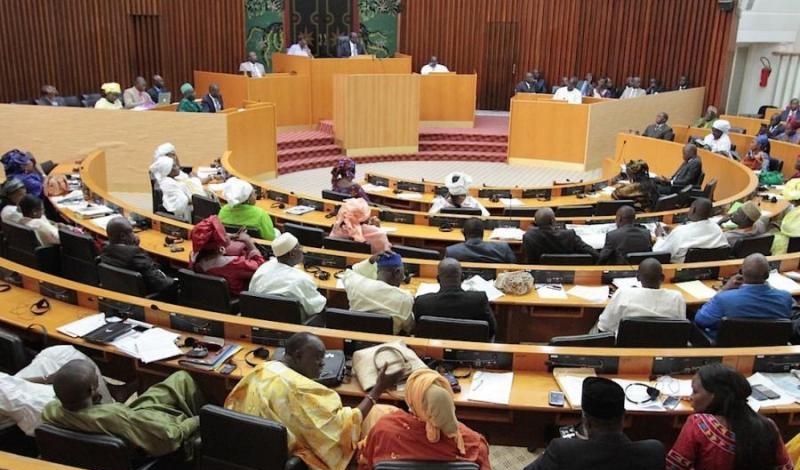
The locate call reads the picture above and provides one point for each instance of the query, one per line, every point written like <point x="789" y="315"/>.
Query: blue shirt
<point x="748" y="301"/>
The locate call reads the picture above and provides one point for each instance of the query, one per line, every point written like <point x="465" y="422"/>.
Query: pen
<point x="476" y="386"/>
<point x="549" y="286"/>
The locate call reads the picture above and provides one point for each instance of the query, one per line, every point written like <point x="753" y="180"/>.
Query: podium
<point x="376" y="114"/>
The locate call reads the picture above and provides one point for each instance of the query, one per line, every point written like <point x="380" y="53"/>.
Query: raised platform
<point x="486" y="142"/>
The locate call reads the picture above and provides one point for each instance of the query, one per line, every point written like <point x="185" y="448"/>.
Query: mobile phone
<point x="227" y="369"/>
<point x="761" y="393"/>
<point x="454" y="385"/>
<point x="555" y="398"/>
<point x="175" y="249"/>
<point x="671" y="403"/>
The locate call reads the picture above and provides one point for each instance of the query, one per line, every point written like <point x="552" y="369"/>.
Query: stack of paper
<point x="102" y="222"/>
<point x="760" y="379"/>
<point x="90" y="211"/>
<point x="621" y="282"/>
<point x="779" y="281"/>
<point x="215" y="187"/>
<point x="491" y="387"/>
<point x="156" y="344"/>
<point x="550" y="291"/>
<point x="409" y="195"/>
<point x="427" y="288"/>
<point x="479" y="284"/>
<point x="512" y="202"/>
<point x="299" y="210"/>
<point x="697" y="289"/>
<point x="83" y="326"/>
<point x="205" y="171"/>
<point x="636" y="393"/>
<point x="506" y="233"/>
<point x="592" y="294"/>
<point x="570" y="381"/>
<point x="73" y="197"/>
<point x="374" y="188"/>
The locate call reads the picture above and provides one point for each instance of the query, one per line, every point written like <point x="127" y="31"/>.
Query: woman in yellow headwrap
<point x="430" y="432"/>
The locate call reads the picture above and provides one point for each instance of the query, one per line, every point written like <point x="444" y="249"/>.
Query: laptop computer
<point x="333" y="369"/>
<point x="165" y="98"/>
<point x="108" y="332"/>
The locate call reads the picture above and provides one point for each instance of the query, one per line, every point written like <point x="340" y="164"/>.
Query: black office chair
<point x="595" y="340"/>
<point x="91" y="96"/>
<point x="334" y="196"/>
<point x="653" y="332"/>
<point x="667" y="203"/>
<point x="775" y="164"/>
<point x="206" y="292"/>
<point x="424" y="465"/>
<point x="452" y="328"/>
<point x="758" y="244"/>
<point x="636" y="258"/>
<point x="417" y="253"/>
<point x="699" y="255"/>
<point x="252" y="231"/>
<point x="474" y="211"/>
<point x="22" y="246"/>
<point x="47" y="166"/>
<point x="345" y="244"/>
<point x="88" y="451"/>
<point x="89" y="102"/>
<point x="707" y="192"/>
<point x="273" y="308"/>
<point x="78" y="253"/>
<point x="307" y="236"/>
<point x="72" y="101"/>
<point x="520" y="211"/>
<point x="737" y="130"/>
<point x="352" y="320"/>
<point x="762" y="110"/>
<point x="557" y="259"/>
<point x="684" y="196"/>
<point x="750" y="332"/>
<point x="13" y="356"/>
<point x="237" y="441"/>
<point x="203" y="207"/>
<point x="124" y="281"/>
<point x="794" y="245"/>
<point x="158" y="199"/>
<point x="574" y="211"/>
<point x="611" y="207"/>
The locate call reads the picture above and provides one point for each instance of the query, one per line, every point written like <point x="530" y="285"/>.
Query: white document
<point x="374" y="188"/>
<point x="511" y="202"/>
<point x="787" y="383"/>
<point x="491" y="387"/>
<point x="88" y="211"/>
<point x="506" y="233"/>
<point x="409" y="195"/>
<point x="215" y="187"/>
<point x="779" y="281"/>
<point x="621" y="282"/>
<point x="299" y="210"/>
<point x="156" y="344"/>
<point x="550" y="291"/>
<point x="387" y="229"/>
<point x="638" y="393"/>
<point x="570" y="381"/>
<point x="793" y="275"/>
<point x="592" y="294"/>
<point x="479" y="284"/>
<point x="205" y="172"/>
<point x="102" y="222"/>
<point x="608" y="190"/>
<point x="696" y="289"/>
<point x="760" y="379"/>
<point x="73" y="197"/>
<point x="426" y="288"/>
<point x="85" y="325"/>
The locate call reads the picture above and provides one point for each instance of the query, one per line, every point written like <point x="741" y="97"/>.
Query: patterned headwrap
<point x="208" y="235"/>
<point x="344" y="168"/>
<point x="14" y="161"/>
<point x="430" y="398"/>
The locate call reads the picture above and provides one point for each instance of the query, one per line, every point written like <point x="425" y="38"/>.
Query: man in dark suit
<point x="627" y="238"/>
<point x="212" y="102"/>
<point x="540" y="85"/>
<point x="660" y="129"/>
<point x="605" y="446"/>
<point x="528" y="85"/>
<point x="792" y="112"/>
<point x="683" y="83"/>
<point x="452" y="301"/>
<point x="688" y="173"/>
<point x="158" y="87"/>
<point x="350" y="48"/>
<point x="475" y="250"/>
<point x="545" y="238"/>
<point x="49" y="97"/>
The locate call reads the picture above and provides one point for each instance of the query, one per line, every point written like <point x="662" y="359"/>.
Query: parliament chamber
<point x="281" y="130"/>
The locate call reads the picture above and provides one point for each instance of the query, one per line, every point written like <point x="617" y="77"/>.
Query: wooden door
<point x="499" y="65"/>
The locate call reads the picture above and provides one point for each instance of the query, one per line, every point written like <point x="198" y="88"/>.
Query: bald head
<point x="473" y="228"/>
<point x="689" y="152"/>
<point x="650" y="273"/>
<point x="305" y="354"/>
<point x="700" y="209"/>
<point x="545" y="217"/>
<point x="755" y="269"/>
<point x="75" y="384"/>
<point x="449" y="272"/>
<point x="625" y="216"/>
<point x="119" y="230"/>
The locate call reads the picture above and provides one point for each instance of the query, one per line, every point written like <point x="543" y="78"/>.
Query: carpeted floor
<point x="511" y="458"/>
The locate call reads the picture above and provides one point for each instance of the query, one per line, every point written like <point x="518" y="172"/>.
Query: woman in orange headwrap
<point x="430" y="432"/>
<point x="213" y="253"/>
<point x="353" y="221"/>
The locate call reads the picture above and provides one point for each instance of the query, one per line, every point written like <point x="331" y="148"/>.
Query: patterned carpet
<point x="511" y="458"/>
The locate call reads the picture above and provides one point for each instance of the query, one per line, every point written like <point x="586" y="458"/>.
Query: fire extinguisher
<point x="766" y="70"/>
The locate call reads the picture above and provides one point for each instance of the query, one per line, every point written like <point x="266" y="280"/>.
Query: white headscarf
<point x="163" y="150"/>
<point x="722" y="125"/>
<point x="161" y="167"/>
<point x="457" y="183"/>
<point x="236" y="191"/>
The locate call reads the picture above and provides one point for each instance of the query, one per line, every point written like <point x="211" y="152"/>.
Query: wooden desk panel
<point x="548" y="132"/>
<point x="290" y="93"/>
<point x="233" y="87"/>
<point x="448" y="100"/>
<point x="750" y="125"/>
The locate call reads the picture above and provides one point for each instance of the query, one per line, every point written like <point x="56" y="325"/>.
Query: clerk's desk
<point x="501" y="423"/>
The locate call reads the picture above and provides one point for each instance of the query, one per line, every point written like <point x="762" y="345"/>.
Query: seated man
<point x="157" y="88"/>
<point x="300" y="49"/>
<point x="605" y="445"/>
<point x="628" y="237"/>
<point x="241" y="210"/>
<point x="791" y="112"/>
<point x="350" y="47"/>
<point x="475" y="250"/>
<point x="373" y="285"/>
<point x="137" y="95"/>
<point x="433" y="66"/>
<point x="790" y="134"/>
<point x="683" y="83"/>
<point x="707" y="120"/>
<point x="11" y="192"/>
<point x="252" y="67"/>
<point x="698" y="232"/>
<point x="546" y="238"/>
<point x="49" y="97"/>
<point x="188" y="103"/>
<point x="687" y="174"/>
<point x="775" y="127"/>
<point x="745" y="295"/>
<point x="32" y="209"/>
<point x="660" y="130"/>
<point x="718" y="141"/>
<point x="212" y="101"/>
<point x="162" y="420"/>
<point x="322" y="432"/>
<point x="24" y="395"/>
<point x="650" y="300"/>
<point x="569" y="92"/>
<point x="279" y="277"/>
<point x="634" y="90"/>
<point x="430" y="430"/>
<point x="749" y="223"/>
<point x="528" y="85"/>
<point x="452" y="301"/>
<point x="457" y="195"/>
<point x="123" y="251"/>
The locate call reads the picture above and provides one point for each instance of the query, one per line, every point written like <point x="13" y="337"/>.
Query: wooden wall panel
<point x="77" y="45"/>
<point x="650" y="38"/>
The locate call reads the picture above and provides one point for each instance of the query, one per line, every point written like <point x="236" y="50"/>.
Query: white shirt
<point x="46" y="232"/>
<point x="21" y="402"/>
<point x="367" y="294"/>
<point x="629" y="302"/>
<point x="700" y="234"/>
<point x="631" y="92"/>
<point x="723" y="144"/>
<point x="255" y="69"/>
<point x="177" y="195"/>
<point x="10" y="213"/>
<point x="276" y="278"/>
<point x="353" y="49"/>
<point x="439" y="68"/>
<point x="571" y="97"/>
<point x="470" y="202"/>
<point x="295" y="49"/>
<point x="103" y="103"/>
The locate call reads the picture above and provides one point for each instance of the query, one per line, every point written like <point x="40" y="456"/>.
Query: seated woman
<point x="725" y="433"/>
<point x="214" y="254"/>
<point x="241" y="210"/>
<point x="342" y="177"/>
<point x="641" y="188"/>
<point x="757" y="158"/>
<point x="11" y="192"/>
<point x="430" y="432"/>
<point x="32" y="210"/>
<point x="353" y="221"/>
<point x="457" y="195"/>
<point x="22" y="166"/>
<point x="168" y="150"/>
<point x="177" y="195"/>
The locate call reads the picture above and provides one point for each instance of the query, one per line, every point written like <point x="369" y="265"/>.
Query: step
<point x="301" y="164"/>
<point x="463" y="146"/>
<point x="311" y="142"/>
<point x="308" y="152"/>
<point x="463" y="156"/>
<point x="428" y="136"/>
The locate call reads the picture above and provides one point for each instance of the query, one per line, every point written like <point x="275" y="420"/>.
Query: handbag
<point x="56" y="185"/>
<point x="368" y="362"/>
<point x="514" y="282"/>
